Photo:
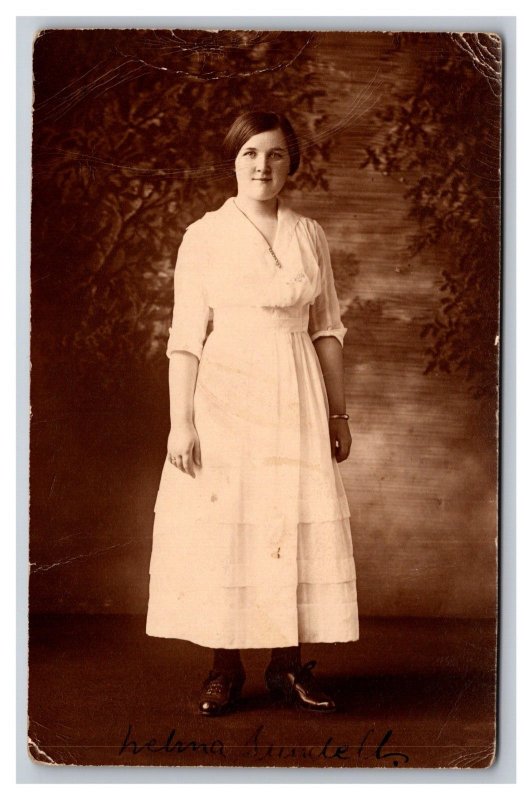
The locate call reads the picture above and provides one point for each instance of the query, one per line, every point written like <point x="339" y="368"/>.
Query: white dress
<point x="256" y="550"/>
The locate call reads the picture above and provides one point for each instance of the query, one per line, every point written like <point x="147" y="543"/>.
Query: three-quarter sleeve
<point x="191" y="309"/>
<point x="324" y="313"/>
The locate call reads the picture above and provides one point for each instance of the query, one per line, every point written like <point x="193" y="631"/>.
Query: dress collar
<point x="287" y="220"/>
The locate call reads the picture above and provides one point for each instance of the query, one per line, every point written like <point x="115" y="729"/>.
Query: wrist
<point x="183" y="419"/>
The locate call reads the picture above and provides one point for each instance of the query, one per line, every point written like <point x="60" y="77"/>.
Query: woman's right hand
<point x="184" y="447"/>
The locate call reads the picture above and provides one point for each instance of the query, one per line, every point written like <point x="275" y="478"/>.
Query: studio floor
<point x="411" y="693"/>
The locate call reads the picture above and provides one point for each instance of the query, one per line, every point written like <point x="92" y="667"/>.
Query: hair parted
<point x="249" y="124"/>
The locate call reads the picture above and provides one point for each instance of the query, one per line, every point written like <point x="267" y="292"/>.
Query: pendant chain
<point x="270" y="248"/>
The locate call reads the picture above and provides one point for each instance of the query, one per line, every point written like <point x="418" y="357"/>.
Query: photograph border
<point x="503" y="769"/>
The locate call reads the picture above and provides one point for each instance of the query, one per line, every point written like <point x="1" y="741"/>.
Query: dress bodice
<point x="238" y="266"/>
<point x="225" y="262"/>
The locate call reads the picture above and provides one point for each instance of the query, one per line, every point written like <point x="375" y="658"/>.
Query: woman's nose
<point x="261" y="163"/>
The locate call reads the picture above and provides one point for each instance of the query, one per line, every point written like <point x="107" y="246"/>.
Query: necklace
<point x="270" y="248"/>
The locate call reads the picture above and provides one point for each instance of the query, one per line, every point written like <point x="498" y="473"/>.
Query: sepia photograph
<point x="264" y="388"/>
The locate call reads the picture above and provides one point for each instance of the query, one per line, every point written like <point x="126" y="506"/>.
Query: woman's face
<point x="262" y="165"/>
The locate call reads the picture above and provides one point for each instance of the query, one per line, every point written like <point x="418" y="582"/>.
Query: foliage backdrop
<point x="400" y="136"/>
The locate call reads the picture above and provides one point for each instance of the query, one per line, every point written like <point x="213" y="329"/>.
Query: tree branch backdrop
<point x="401" y="165"/>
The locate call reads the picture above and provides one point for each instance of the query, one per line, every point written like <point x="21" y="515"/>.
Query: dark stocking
<point x="286" y="657"/>
<point x="227" y="661"/>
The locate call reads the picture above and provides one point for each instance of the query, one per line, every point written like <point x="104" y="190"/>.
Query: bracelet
<point x="339" y="416"/>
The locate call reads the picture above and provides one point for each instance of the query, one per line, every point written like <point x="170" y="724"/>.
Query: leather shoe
<point x="220" y="691"/>
<point x="299" y="687"/>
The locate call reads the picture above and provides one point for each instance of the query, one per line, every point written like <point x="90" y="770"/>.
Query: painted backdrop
<point x="401" y="156"/>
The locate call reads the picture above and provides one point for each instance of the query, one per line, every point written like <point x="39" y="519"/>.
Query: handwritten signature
<point x="370" y="747"/>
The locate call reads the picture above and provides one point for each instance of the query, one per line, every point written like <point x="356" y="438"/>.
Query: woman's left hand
<point x="340" y="436"/>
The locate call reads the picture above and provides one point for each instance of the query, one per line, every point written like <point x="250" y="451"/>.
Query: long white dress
<point x="256" y="550"/>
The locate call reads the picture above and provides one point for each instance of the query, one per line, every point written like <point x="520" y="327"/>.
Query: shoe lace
<point x="218" y="682"/>
<point x="215" y="683"/>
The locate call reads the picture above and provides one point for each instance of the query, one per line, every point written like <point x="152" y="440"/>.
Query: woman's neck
<point x="258" y="208"/>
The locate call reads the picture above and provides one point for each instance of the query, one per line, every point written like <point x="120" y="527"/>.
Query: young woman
<point x="252" y="544"/>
